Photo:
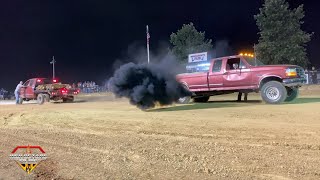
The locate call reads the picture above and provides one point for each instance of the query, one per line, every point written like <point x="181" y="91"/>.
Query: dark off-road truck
<point x="44" y="90"/>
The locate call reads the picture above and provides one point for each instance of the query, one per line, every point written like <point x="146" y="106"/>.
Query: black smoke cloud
<point x="147" y="84"/>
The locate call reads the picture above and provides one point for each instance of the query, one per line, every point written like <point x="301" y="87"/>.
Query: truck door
<point x="198" y="81"/>
<point x="23" y="91"/>
<point x="30" y="89"/>
<point x="215" y="76"/>
<point x="237" y="74"/>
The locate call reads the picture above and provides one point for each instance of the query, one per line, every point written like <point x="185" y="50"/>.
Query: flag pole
<point x="148" y="38"/>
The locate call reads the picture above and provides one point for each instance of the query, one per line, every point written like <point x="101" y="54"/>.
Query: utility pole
<point x="53" y="70"/>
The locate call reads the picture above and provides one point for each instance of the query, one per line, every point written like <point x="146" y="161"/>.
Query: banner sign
<point x="198" y="57"/>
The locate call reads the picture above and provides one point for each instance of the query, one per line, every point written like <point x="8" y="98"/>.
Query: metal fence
<point x="313" y="76"/>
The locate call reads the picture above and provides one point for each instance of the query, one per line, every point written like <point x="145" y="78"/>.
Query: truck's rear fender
<point x="185" y="85"/>
<point x="269" y="78"/>
<point x="36" y="92"/>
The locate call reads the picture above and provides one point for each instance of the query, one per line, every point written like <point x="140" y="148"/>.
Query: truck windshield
<point x="253" y="61"/>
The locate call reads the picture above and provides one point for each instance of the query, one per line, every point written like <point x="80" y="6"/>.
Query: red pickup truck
<point x="43" y="90"/>
<point x="245" y="74"/>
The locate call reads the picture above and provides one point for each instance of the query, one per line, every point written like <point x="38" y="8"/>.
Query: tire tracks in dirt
<point x="13" y="119"/>
<point x="57" y="144"/>
<point x="7" y="119"/>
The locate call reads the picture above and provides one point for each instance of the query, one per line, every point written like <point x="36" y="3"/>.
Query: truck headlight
<point x="291" y="72"/>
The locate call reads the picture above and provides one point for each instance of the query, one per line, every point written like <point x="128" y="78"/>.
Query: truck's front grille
<point x="300" y="72"/>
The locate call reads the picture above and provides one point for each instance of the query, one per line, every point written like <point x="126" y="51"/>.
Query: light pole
<point x="53" y="70"/>
<point x="148" y="41"/>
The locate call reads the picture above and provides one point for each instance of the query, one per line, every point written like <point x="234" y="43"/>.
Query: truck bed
<point x="52" y="86"/>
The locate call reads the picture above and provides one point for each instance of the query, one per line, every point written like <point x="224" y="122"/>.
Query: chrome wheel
<point x="273" y="93"/>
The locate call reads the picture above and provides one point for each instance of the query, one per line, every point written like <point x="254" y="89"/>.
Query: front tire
<point x="273" y="92"/>
<point x="292" y="94"/>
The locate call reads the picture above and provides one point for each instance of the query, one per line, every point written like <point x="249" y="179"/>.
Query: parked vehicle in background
<point x="43" y="90"/>
<point x="242" y="73"/>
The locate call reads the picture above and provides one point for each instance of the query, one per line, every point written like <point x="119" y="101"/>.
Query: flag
<point x="148" y="35"/>
<point x="51" y="62"/>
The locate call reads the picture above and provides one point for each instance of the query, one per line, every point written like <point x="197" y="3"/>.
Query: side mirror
<point x="243" y="67"/>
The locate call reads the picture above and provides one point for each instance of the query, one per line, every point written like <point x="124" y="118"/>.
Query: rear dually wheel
<point x="40" y="99"/>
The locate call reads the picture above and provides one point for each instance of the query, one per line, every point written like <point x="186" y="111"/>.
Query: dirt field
<point x="100" y="137"/>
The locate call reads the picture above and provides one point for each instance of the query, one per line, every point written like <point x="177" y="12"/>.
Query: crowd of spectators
<point x="87" y="86"/>
<point x="313" y="76"/>
<point x="4" y="94"/>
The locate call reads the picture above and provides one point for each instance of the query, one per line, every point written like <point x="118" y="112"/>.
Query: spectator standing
<point x="86" y="84"/>
<point x="17" y="91"/>
<point x="84" y="87"/>
<point x="314" y="75"/>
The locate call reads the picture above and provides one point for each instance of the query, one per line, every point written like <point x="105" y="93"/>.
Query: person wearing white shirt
<point x="17" y="91"/>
